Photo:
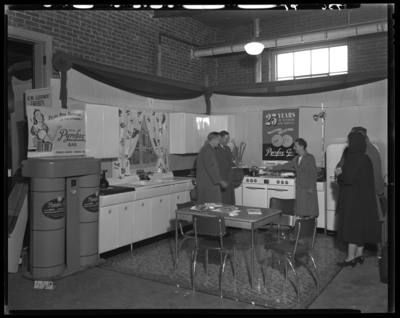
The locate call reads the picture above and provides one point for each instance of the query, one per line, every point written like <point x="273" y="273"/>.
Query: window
<point x="310" y="63"/>
<point x="144" y="155"/>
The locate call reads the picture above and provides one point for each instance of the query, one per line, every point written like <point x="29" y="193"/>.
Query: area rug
<point x="155" y="262"/>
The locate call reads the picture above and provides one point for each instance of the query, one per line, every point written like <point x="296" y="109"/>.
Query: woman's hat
<point x="235" y="177"/>
<point x="62" y="61"/>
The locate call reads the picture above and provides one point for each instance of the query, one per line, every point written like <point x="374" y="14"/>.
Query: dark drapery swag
<point x="167" y="89"/>
<point x="138" y="83"/>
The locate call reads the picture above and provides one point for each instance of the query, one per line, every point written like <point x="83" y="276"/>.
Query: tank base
<point x="28" y="275"/>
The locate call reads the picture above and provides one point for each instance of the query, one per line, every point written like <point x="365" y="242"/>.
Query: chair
<point x="304" y="228"/>
<point x="214" y="229"/>
<point x="186" y="235"/>
<point x="189" y="234"/>
<point x="287" y="206"/>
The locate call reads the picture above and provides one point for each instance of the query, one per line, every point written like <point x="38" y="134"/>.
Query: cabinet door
<point x="176" y="133"/>
<point x="198" y="129"/>
<point x="110" y="132"/>
<point x="239" y="195"/>
<point x="141" y="220"/>
<point x="206" y="129"/>
<point x="175" y="198"/>
<point x="125" y="224"/>
<point x="108" y="228"/>
<point x="159" y="207"/>
<point x="94" y="131"/>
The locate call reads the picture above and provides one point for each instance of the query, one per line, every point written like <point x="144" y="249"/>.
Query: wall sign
<point x="55" y="132"/>
<point x="40" y="97"/>
<point x="280" y="130"/>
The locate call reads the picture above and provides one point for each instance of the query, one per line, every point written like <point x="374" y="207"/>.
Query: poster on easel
<point x="280" y="130"/>
<point x="55" y="132"/>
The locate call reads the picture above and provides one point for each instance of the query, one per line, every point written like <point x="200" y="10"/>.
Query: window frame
<point x="142" y="165"/>
<point x="298" y="48"/>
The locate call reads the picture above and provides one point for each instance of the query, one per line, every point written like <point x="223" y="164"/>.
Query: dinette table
<point x="242" y="220"/>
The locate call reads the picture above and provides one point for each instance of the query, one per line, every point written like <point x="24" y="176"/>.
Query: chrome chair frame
<point x="224" y="244"/>
<point x="186" y="235"/>
<point x="302" y="229"/>
<point x="275" y="203"/>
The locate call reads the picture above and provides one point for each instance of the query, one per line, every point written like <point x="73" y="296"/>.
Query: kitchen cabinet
<point x="125" y="223"/>
<point x="239" y="195"/>
<point x="102" y="131"/>
<point x="219" y="123"/>
<point x="141" y="220"/>
<point x="159" y="211"/>
<point x="108" y="228"/>
<point x="176" y="198"/>
<point x="188" y="132"/>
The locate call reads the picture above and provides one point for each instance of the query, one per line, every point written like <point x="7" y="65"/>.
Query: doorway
<point x="20" y="56"/>
<point x="27" y="55"/>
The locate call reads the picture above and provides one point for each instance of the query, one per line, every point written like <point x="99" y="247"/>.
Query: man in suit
<point x="306" y="180"/>
<point x="225" y="162"/>
<point x="208" y="179"/>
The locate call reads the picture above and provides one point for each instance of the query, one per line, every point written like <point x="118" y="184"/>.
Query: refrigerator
<point x="333" y="154"/>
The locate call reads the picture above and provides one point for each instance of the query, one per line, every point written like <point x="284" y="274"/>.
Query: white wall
<point x="338" y="123"/>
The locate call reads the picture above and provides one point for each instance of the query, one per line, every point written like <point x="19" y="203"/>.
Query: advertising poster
<point x="280" y="130"/>
<point x="55" y="132"/>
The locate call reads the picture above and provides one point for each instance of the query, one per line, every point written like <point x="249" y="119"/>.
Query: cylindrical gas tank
<point x="47" y="222"/>
<point x="89" y="219"/>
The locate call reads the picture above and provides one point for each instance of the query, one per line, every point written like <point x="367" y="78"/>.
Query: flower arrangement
<point x="237" y="152"/>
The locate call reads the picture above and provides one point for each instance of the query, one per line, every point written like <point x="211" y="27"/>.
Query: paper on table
<point x="230" y="211"/>
<point x="254" y="211"/>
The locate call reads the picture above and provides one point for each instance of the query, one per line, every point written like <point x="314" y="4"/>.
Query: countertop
<point x="115" y="189"/>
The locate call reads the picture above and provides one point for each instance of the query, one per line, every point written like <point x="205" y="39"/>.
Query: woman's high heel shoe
<point x="351" y="263"/>
<point x="360" y="259"/>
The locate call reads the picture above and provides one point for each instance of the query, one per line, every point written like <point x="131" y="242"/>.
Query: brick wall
<point x="127" y="39"/>
<point x="366" y="53"/>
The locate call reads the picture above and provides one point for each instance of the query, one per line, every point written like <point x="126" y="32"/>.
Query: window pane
<point x="285" y="65"/>
<point x="320" y="61"/>
<point x="302" y="63"/>
<point x="134" y="159"/>
<point x="149" y="156"/>
<point x="338" y="59"/>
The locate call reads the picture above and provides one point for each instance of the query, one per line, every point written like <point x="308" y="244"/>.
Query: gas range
<point x="269" y="180"/>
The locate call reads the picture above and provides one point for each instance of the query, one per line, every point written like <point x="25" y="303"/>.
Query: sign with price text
<point x="280" y="130"/>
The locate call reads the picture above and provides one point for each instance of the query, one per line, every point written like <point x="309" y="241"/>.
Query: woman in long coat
<point x="357" y="206"/>
<point x="306" y="181"/>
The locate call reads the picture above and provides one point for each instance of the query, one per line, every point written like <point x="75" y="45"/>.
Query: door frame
<point x="43" y="47"/>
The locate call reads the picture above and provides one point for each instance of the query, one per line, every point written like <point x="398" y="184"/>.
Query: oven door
<point x="283" y="192"/>
<point x="255" y="195"/>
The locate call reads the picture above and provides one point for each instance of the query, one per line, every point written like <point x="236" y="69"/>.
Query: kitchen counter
<point x="146" y="189"/>
<point x="115" y="190"/>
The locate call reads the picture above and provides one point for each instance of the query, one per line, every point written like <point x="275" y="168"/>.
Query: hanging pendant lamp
<point x="254" y="48"/>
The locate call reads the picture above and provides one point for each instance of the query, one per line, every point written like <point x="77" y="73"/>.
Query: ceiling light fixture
<point x="204" y="7"/>
<point x="254" y="48"/>
<point x="83" y="6"/>
<point x="257" y="6"/>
